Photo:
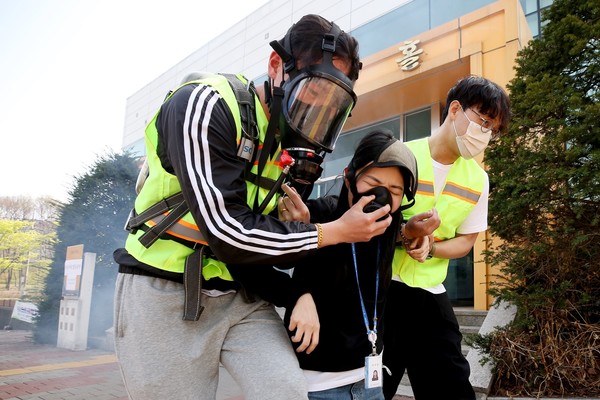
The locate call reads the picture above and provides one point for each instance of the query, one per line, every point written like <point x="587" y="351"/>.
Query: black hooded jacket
<point x="330" y="277"/>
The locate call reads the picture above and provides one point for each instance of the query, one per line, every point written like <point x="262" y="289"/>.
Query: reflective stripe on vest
<point x="463" y="188"/>
<point x="426" y="188"/>
<point x="170" y="255"/>
<point x="182" y="229"/>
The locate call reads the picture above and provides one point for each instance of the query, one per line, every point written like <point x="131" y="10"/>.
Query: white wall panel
<point x="244" y="47"/>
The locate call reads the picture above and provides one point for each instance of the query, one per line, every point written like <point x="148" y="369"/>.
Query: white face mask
<point x="474" y="141"/>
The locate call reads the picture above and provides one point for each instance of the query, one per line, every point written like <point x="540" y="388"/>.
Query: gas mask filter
<point x="382" y="197"/>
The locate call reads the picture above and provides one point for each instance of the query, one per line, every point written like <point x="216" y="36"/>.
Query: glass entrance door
<point x="459" y="282"/>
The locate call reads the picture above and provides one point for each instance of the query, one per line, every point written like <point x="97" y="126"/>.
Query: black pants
<point x="422" y="336"/>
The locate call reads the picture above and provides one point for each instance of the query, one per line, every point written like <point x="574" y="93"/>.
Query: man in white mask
<point x="421" y="333"/>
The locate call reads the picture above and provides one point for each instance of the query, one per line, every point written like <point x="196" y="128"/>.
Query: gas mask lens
<point x="317" y="108"/>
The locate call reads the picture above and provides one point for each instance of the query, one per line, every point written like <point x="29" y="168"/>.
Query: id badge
<point x="373" y="367"/>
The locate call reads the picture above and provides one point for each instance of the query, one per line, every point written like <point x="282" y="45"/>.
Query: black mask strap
<point x="351" y="176"/>
<point x="268" y="95"/>
<point x="409" y="205"/>
<point x="285" y="51"/>
<point x="329" y="43"/>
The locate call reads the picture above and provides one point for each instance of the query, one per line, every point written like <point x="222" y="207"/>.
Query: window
<point x="410" y="19"/>
<point x="459" y="282"/>
<point x="533" y="13"/>
<point x="137" y="148"/>
<point x="417" y="124"/>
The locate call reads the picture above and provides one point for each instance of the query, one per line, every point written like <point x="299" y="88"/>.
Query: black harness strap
<point x="154" y="233"/>
<point x="167" y="236"/>
<point x="268" y="145"/>
<point x="159" y="208"/>
<point x="262" y="181"/>
<point x="192" y="286"/>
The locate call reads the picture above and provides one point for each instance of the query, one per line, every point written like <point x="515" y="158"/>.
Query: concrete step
<point x="468" y="331"/>
<point x="465" y="349"/>
<point x="470" y="323"/>
<point x="469" y="317"/>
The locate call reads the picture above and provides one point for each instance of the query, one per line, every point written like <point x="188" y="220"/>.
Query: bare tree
<point x="24" y="208"/>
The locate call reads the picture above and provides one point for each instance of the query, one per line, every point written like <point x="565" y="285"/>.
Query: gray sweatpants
<point x="163" y="357"/>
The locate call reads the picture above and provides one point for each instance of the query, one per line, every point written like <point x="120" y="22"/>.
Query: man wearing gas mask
<point x="422" y="335"/>
<point x="209" y="203"/>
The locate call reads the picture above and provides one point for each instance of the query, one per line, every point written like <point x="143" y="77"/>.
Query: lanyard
<point x="371" y="334"/>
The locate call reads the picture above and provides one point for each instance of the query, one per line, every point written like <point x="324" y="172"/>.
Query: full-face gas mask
<point x="316" y="103"/>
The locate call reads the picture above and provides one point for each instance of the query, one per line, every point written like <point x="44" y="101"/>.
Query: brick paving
<point x="30" y="371"/>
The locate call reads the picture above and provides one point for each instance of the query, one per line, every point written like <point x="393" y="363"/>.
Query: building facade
<point x="412" y="51"/>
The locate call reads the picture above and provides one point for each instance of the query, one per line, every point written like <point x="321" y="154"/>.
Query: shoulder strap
<point x="244" y="94"/>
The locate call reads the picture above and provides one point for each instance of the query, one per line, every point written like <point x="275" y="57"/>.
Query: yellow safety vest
<point x="464" y="185"/>
<point x="170" y="255"/>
